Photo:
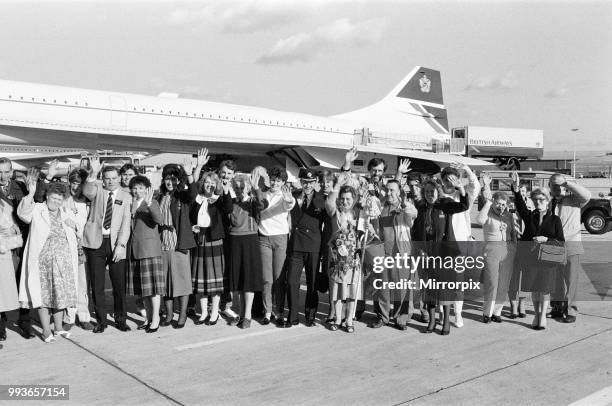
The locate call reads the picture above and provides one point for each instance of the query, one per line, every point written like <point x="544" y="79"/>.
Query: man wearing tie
<point x="105" y="237"/>
<point x="304" y="245"/>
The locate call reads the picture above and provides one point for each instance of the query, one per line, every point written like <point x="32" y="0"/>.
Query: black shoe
<point x="3" y="334"/>
<point x="122" y="326"/>
<point x="165" y="323"/>
<point x="359" y="314"/>
<point x="212" y="322"/>
<point x="445" y="332"/>
<point x="428" y="330"/>
<point x="496" y="319"/>
<point x="191" y="312"/>
<point x="179" y="325"/>
<point x="288" y="324"/>
<point x="265" y="321"/>
<point x="569" y="319"/>
<point x="280" y="322"/>
<point x="150" y="330"/>
<point x="513" y="316"/>
<point x="486" y="319"/>
<point x="199" y="322"/>
<point x="377" y="324"/>
<point x="401" y="327"/>
<point x="555" y="314"/>
<point x="244" y="323"/>
<point x="26" y="330"/>
<point x="310" y="323"/>
<point x="522" y="315"/>
<point x="144" y="326"/>
<point x="233" y="321"/>
<point x="99" y="328"/>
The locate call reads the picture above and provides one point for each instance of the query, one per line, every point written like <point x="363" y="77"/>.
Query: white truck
<point x="507" y="147"/>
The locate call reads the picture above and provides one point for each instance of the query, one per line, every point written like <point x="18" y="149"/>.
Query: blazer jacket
<point x="120" y="222"/>
<point x="307" y="224"/>
<point x="144" y="241"/>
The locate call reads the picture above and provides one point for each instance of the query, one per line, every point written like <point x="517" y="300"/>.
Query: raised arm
<point x="349" y="158"/>
<point x="519" y="203"/>
<point x="580" y="192"/>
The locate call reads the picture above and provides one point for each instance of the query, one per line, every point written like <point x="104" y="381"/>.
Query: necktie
<point x="553" y="206"/>
<point x="536" y="213"/>
<point x="108" y="214"/>
<point x="305" y="202"/>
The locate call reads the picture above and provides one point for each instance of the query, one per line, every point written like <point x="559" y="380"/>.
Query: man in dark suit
<point x="304" y="246"/>
<point x="12" y="192"/>
<point x="105" y="237"/>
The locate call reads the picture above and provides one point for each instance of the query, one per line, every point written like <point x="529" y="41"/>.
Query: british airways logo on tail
<point x="425" y="84"/>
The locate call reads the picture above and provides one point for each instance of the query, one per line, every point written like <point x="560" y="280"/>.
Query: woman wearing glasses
<point x="541" y="226"/>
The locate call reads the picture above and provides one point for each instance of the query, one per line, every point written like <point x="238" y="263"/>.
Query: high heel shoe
<point x="165" y="323"/>
<point x="213" y="322"/>
<point x="445" y="332"/>
<point x="429" y="329"/>
<point x="180" y="325"/>
<point x="150" y="330"/>
<point x="144" y="326"/>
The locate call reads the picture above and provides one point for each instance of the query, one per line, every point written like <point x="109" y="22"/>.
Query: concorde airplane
<point x="409" y="122"/>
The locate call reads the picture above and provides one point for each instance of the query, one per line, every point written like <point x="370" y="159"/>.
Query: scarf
<point x="203" y="216"/>
<point x="169" y="237"/>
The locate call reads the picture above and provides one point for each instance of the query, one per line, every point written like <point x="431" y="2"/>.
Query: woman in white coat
<point x="49" y="273"/>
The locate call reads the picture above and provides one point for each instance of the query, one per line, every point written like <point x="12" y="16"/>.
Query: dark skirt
<point x="146" y="277"/>
<point x="176" y="268"/>
<point x="442" y="288"/>
<point x="245" y="263"/>
<point x="207" y="266"/>
<point x="538" y="276"/>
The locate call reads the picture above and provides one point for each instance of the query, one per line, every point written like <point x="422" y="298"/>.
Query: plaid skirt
<point x="207" y="268"/>
<point x="145" y="277"/>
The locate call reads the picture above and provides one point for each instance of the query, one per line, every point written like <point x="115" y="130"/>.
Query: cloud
<point x="242" y="16"/>
<point x="558" y="92"/>
<point x="305" y="46"/>
<point x="507" y="81"/>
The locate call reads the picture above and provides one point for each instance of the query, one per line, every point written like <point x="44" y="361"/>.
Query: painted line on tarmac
<point x="600" y="398"/>
<point x="249" y="335"/>
<point x="117" y="367"/>
<point x="596" y="315"/>
<point x="474" y="378"/>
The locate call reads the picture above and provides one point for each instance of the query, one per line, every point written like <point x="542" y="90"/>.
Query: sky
<point x="523" y="64"/>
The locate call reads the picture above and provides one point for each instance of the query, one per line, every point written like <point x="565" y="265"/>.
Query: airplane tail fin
<point x="414" y="105"/>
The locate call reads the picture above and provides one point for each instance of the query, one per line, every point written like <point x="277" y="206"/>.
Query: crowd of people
<point x="233" y="241"/>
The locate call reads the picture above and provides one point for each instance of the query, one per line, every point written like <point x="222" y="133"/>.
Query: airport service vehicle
<point x="410" y="121"/>
<point x="506" y="147"/>
<point x="596" y="215"/>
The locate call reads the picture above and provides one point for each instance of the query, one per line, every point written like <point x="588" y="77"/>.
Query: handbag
<point x="552" y="253"/>
<point x="322" y="281"/>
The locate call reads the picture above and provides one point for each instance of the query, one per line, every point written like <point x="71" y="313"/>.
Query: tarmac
<point x="479" y="364"/>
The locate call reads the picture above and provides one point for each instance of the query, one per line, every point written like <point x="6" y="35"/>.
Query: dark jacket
<point x="551" y="226"/>
<point x="441" y="215"/>
<point x="180" y="207"/>
<point x="144" y="240"/>
<point x="217" y="211"/>
<point x="306" y="224"/>
<point x="15" y="192"/>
